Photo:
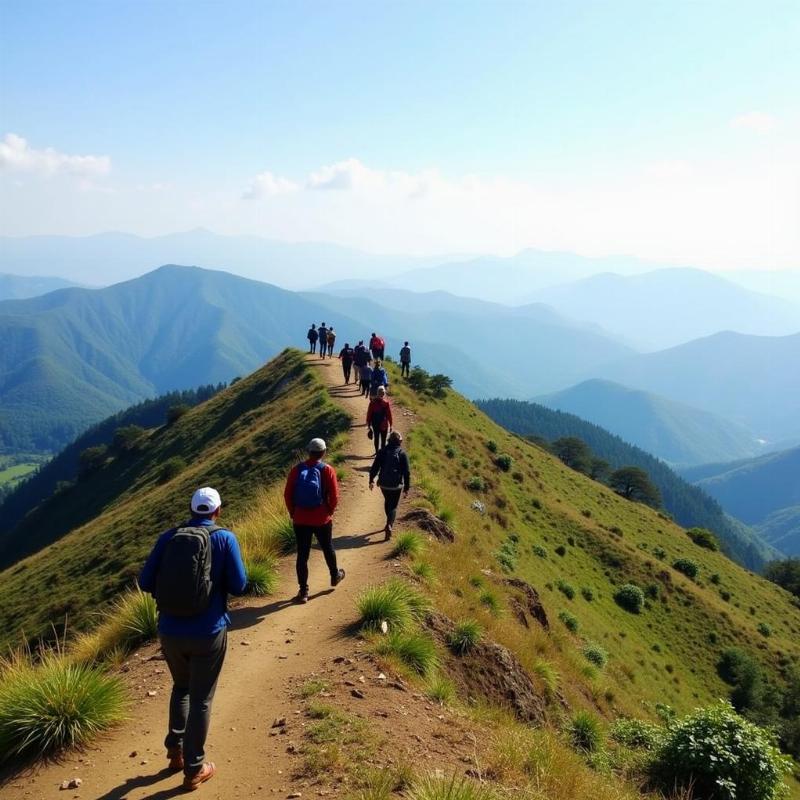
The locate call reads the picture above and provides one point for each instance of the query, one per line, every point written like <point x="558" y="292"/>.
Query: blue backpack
<point x="308" y="491"/>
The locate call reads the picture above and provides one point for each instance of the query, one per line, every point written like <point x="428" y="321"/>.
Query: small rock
<point x="398" y="685"/>
<point x="295" y="794"/>
<point x="133" y="754"/>
<point x="357" y="693"/>
<point x="151" y="693"/>
<point x="362" y="679"/>
<point x="279" y="722"/>
<point x="245" y="643"/>
<point x="384" y="626"/>
<point x="74" y="783"/>
<point x="143" y="761"/>
<point x="339" y="660"/>
<point x="381" y="677"/>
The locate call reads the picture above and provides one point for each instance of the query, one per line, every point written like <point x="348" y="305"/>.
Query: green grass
<point x="423" y="570"/>
<point x="14" y="474"/>
<point x="54" y="704"/>
<point x="464" y="636"/>
<point x="408" y="544"/>
<point x="262" y="577"/>
<point x="415" y="650"/>
<point x="585" y="732"/>
<point x="440" y="689"/>
<point x="313" y="687"/>
<point x="393" y="602"/>
<point x="431" y="787"/>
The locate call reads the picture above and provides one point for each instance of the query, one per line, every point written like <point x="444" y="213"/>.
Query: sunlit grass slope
<point x="241" y="441"/>
<point x="577" y="543"/>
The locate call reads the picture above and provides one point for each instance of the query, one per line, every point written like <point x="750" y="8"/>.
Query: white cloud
<point x="266" y="184"/>
<point x="16" y="155"/>
<point x="756" y="121"/>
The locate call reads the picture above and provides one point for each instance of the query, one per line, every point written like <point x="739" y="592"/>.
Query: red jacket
<point x="330" y="491"/>
<point x="375" y="406"/>
<point x="375" y="343"/>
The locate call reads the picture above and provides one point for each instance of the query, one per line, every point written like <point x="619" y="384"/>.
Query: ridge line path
<point x="271" y="643"/>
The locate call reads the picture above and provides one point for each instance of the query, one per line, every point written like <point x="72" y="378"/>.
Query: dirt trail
<point x="271" y="643"/>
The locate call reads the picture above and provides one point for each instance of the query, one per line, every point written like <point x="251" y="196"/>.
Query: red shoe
<point x="175" y="756"/>
<point x="205" y="773"/>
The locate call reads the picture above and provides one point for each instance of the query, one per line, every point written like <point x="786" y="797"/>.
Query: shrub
<point x="408" y="543"/>
<point x="440" y="689"/>
<point x="595" y="654"/>
<point x="569" y="620"/>
<point x="489" y="599"/>
<point x="630" y="597"/>
<point x="561" y="550"/>
<point x="703" y="537"/>
<point x="688" y="567"/>
<point x="171" y="468"/>
<point x="476" y="484"/>
<point x="716" y="753"/>
<point x="54" y="704"/>
<point x="174" y="413"/>
<point x="547" y="673"/>
<point x="393" y="602"/>
<point x="507" y="555"/>
<point x="92" y="460"/>
<point x="127" y="438"/>
<point x="585" y="733"/>
<point x="539" y="551"/>
<point x="715" y="578"/>
<point x="660" y="553"/>
<point x="491" y="445"/>
<point x="464" y="636"/>
<point x="416" y="650"/>
<point x="764" y="629"/>
<point x="423" y="570"/>
<point x="566" y="589"/>
<point x="503" y="462"/>
<point x="636" y="733"/>
<point x="450" y="451"/>
<point x="587" y="594"/>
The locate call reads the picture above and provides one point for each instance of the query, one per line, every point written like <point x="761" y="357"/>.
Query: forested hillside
<point x="689" y="505"/>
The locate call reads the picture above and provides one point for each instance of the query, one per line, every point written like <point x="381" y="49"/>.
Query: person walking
<point x="392" y="470"/>
<point x="381" y="347"/>
<point x="311" y="496"/>
<point x="366" y="379"/>
<point x="375" y="346"/>
<point x="190" y="572"/>
<point x="405" y="360"/>
<point x="323" y="340"/>
<point x="380" y="379"/>
<point x="331" y="341"/>
<point x="379" y="419"/>
<point x="312" y="337"/>
<point x="346" y="357"/>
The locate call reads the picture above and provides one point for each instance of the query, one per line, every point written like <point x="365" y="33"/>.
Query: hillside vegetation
<point x="689" y="505"/>
<point x="240" y="441"/>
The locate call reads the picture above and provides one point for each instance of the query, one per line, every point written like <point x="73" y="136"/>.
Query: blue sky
<point x="470" y="126"/>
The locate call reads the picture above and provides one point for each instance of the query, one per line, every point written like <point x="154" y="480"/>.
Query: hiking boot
<point x="337" y="578"/>
<point x="205" y="773"/>
<point x="388" y="531"/>
<point x="301" y="596"/>
<point x="175" y="756"/>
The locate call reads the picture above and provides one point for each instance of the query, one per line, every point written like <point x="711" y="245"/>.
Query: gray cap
<point x="317" y="446"/>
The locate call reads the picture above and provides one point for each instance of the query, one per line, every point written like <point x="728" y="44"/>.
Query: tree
<point x="174" y="413"/>
<point x="418" y="380"/>
<point x="599" y="469"/>
<point x="574" y="452"/>
<point x="785" y="573"/>
<point x="91" y="460"/>
<point x="633" y="483"/>
<point x="127" y="438"/>
<point x="438" y="384"/>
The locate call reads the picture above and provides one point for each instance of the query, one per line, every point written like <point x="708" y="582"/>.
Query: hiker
<point x="394" y="476"/>
<point x="375" y="343"/>
<point x="379" y="380"/>
<point x="379" y="419"/>
<point x="346" y="357"/>
<point x="381" y="347"/>
<point x="360" y="359"/>
<point x="312" y="337"/>
<point x="323" y="340"/>
<point x="311" y="495"/>
<point x="366" y="379"/>
<point x="405" y="360"/>
<point x="331" y="341"/>
<point x="190" y="572"/>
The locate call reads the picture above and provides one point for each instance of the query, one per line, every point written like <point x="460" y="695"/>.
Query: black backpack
<point x="391" y="473"/>
<point x="183" y="580"/>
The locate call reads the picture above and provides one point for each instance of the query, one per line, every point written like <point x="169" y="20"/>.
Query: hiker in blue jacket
<point x="193" y="623"/>
<point x="379" y="378"/>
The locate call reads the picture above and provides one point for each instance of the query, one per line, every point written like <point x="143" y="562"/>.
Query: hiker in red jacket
<point x="377" y="346"/>
<point x="311" y="496"/>
<point x="379" y="419"/>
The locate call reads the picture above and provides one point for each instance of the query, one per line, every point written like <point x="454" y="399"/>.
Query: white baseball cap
<point x="206" y="500"/>
<point x="317" y="446"/>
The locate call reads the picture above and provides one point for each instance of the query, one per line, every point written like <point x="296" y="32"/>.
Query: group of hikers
<point x="195" y="566"/>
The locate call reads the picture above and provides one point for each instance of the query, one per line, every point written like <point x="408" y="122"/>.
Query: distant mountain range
<point x="76" y="355"/>
<point x="764" y="492"/>
<point x="753" y="381"/>
<point x="668" y="307"/>
<point x="688" y="504"/>
<point x="677" y="433"/>
<point x="19" y="287"/>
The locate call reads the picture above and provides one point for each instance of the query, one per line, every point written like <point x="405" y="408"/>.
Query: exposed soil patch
<point x="423" y="519"/>
<point x="529" y="602"/>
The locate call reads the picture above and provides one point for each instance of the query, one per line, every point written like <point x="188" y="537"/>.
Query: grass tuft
<point x="262" y="577"/>
<point x="54" y="704"/>
<point x="408" y="544"/>
<point x="585" y="732"/>
<point x="393" y="602"/>
<point x="464" y="636"/>
<point x="431" y="787"/>
<point x="415" y="650"/>
<point x="441" y="690"/>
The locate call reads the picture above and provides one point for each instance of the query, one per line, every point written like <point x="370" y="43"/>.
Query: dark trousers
<point x="194" y="663"/>
<point x="391" y="499"/>
<point x="347" y="366"/>
<point x="304" y="535"/>
<point x="330" y="350"/>
<point x="365" y="388"/>
<point x="379" y="436"/>
<point x="405" y="369"/>
<point x="312" y="346"/>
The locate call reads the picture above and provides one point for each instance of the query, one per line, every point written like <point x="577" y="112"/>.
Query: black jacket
<point x="392" y="468"/>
